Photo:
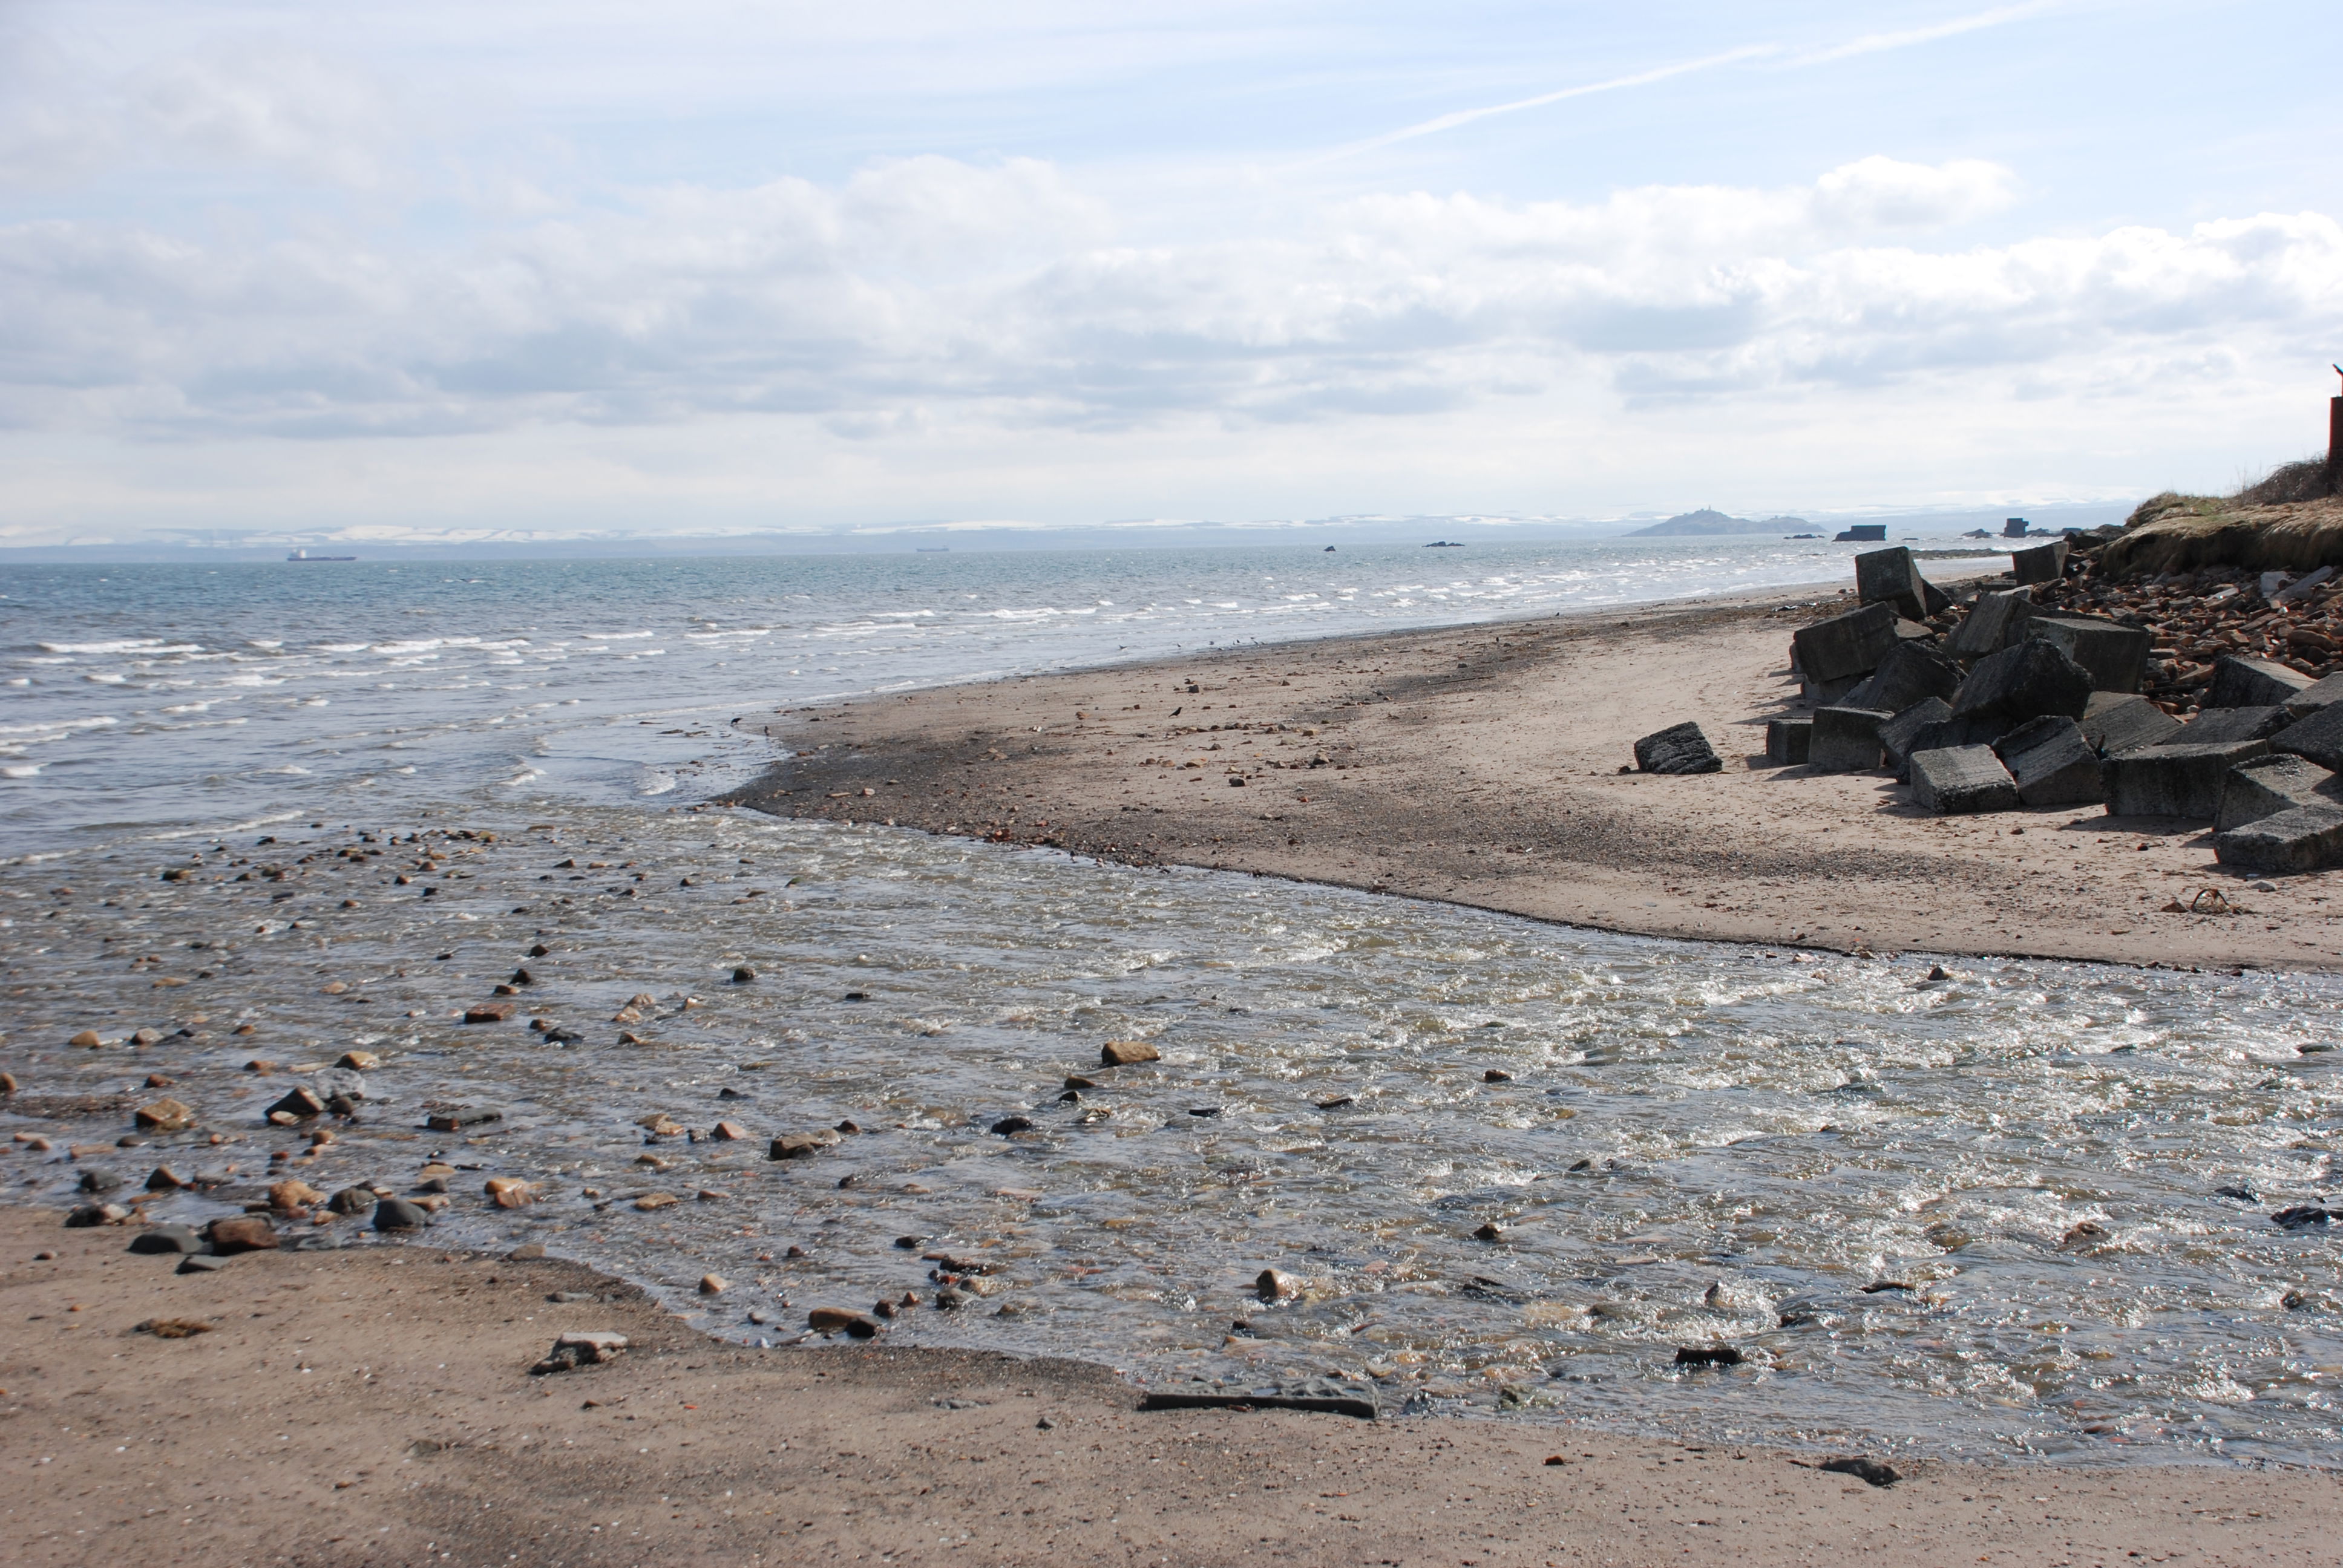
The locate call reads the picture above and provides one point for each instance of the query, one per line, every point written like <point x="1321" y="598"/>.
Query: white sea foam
<point x="20" y="770"/>
<point x="126" y="645"/>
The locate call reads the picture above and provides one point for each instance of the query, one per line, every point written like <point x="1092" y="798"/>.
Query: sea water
<point x="2017" y="1209"/>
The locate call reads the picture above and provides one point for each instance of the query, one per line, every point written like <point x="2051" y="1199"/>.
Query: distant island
<point x="1708" y="521"/>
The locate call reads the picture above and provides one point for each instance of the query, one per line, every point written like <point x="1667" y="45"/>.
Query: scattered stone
<point x="163" y="1178"/>
<point x="1962" y="780"/>
<point x="87" y="1040"/>
<point x="2116" y="721"/>
<point x="1892" y="577"/>
<point x="174" y="1328"/>
<point x="241" y="1233"/>
<point x="661" y="1125"/>
<point x="1009" y="1125"/>
<point x="583" y="1348"/>
<point x="1846" y="739"/>
<point x="293" y="1197"/>
<point x="488" y="1013"/>
<point x="99" y="1180"/>
<point x="803" y="1145"/>
<point x="2240" y="682"/>
<point x="1495" y="1075"/>
<point x="1787" y="741"/>
<point x="1489" y="1232"/>
<point x="1127" y="1053"/>
<point x="509" y="1192"/>
<point x="2175" y="781"/>
<point x="1322" y="1396"/>
<point x="351" y="1202"/>
<point x="399" y="1215"/>
<point x="463" y="1116"/>
<point x="1869" y="1470"/>
<point x="839" y="1320"/>
<point x="2024" y="680"/>
<point x="743" y="975"/>
<point x="359" y="1061"/>
<point x="1708" y="1356"/>
<point x="2051" y="763"/>
<point x="1276" y="1285"/>
<point x="200" y="1264"/>
<point x="728" y="1132"/>
<point x="2302" y="1216"/>
<point x="527" y="1251"/>
<point x="653" y="1201"/>
<point x="1679" y="749"/>
<point x="91" y="1214"/>
<point x="2298" y="839"/>
<point x="1845" y="646"/>
<point x="298" y="1105"/>
<point x="714" y="1284"/>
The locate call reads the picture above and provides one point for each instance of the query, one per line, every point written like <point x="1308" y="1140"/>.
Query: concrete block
<point x="1844" y="645"/>
<point x="1846" y="739"/>
<point x="1991" y="624"/>
<point x="1911" y="671"/>
<point x="2319" y="737"/>
<point x="2240" y="682"/>
<point x="1893" y="578"/>
<point x="2024" y="680"/>
<point x="2175" y="781"/>
<point x="1957" y="779"/>
<point x="1787" y="741"/>
<point x="1898" y="734"/>
<point x="2042" y="564"/>
<point x="2116" y="722"/>
<point x="2052" y="763"/>
<point x="1679" y="749"/>
<point x="1822" y="693"/>
<point x="2116" y="656"/>
<point x="2269" y="785"/>
<point x="2300" y="587"/>
<point x="2318" y="694"/>
<point x="2298" y="839"/>
<point x="2211" y="726"/>
<point x="1945" y="733"/>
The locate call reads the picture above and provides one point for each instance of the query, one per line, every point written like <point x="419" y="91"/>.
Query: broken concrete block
<point x="1943" y="734"/>
<point x="1844" y="645"/>
<point x="1897" y="736"/>
<point x="1822" y="693"/>
<point x="2052" y="763"/>
<point x="1846" y="739"/>
<point x="2269" y="785"/>
<point x="2212" y="726"/>
<point x="2042" y="564"/>
<point x="2318" y="694"/>
<point x="2116" y="722"/>
<point x="1911" y="671"/>
<point x="1893" y="578"/>
<point x="1958" y="779"/>
<point x="1991" y="625"/>
<point x="1787" y="741"/>
<point x="2024" y="680"/>
<point x="2298" y="839"/>
<point x="2251" y="683"/>
<point x="2175" y="781"/>
<point x="2116" y="656"/>
<point x="2301" y="587"/>
<point x="1678" y="749"/>
<point x="2319" y="737"/>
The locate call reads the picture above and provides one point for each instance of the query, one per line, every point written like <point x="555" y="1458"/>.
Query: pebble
<point x="399" y="1215"/>
<point x="802" y="1145"/>
<point x="1127" y="1053"/>
<point x="1276" y="1285"/>
<point x="530" y="1251"/>
<point x="743" y="975"/>
<point x="293" y="1197"/>
<point x="358" y="1061"/>
<point x="299" y="1104"/>
<point x="1008" y="1126"/>
<point x="650" y="1200"/>
<point x="166" y="1239"/>
<point x="714" y="1284"/>
<point x="87" y="1040"/>
<point x="728" y="1132"/>
<point x="93" y="1214"/>
<point x="352" y="1200"/>
<point x="509" y="1192"/>
<point x="241" y="1233"/>
<point x="1493" y="1076"/>
<point x="837" y="1320"/>
<point x="98" y="1180"/>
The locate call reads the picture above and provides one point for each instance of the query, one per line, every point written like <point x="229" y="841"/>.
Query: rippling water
<point x="144" y="700"/>
<point x="1980" y="1213"/>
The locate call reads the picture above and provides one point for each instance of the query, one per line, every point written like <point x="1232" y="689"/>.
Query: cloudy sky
<point x="707" y="264"/>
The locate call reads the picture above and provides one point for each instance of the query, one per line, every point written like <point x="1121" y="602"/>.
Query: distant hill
<point x="1708" y="521"/>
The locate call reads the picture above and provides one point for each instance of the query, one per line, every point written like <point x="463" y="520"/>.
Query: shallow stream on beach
<point x="1978" y="1215"/>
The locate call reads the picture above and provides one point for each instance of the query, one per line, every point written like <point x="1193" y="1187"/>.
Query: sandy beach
<point x="1483" y="766"/>
<point x="374" y="1405"/>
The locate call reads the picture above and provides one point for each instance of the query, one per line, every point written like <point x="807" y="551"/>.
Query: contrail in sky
<point x="1869" y="44"/>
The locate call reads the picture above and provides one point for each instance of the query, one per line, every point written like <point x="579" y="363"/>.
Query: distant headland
<point x="1709" y="520"/>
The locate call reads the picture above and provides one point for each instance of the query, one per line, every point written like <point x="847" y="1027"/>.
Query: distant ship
<point x="305" y="556"/>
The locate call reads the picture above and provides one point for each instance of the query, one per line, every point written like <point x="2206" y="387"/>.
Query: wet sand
<point x="1482" y="766"/>
<point x="373" y="1405"/>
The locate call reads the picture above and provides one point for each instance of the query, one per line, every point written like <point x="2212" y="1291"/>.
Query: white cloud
<point x="928" y="284"/>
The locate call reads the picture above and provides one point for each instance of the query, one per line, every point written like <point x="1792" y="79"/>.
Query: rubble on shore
<point x="2213" y="694"/>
